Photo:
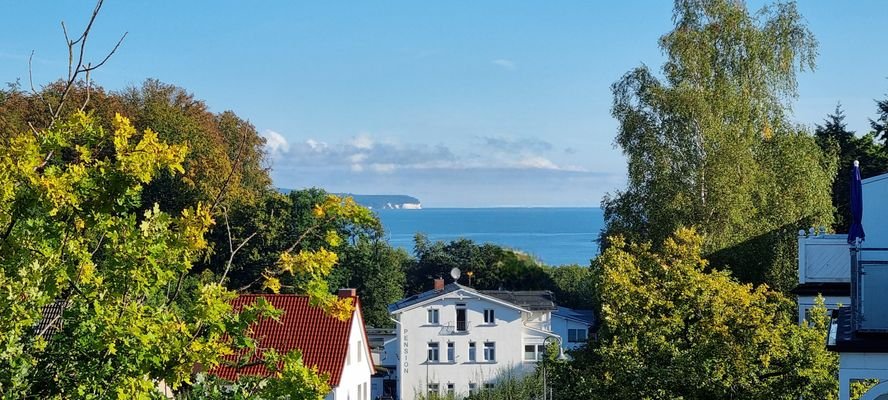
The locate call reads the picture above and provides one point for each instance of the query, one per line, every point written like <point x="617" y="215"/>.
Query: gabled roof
<point x="322" y="338"/>
<point x="428" y="296"/>
<point x="583" y="316"/>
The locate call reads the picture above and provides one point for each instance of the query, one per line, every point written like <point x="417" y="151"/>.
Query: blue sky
<point x="459" y="103"/>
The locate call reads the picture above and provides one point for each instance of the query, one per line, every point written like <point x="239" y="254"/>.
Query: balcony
<point x="823" y="258"/>
<point x="869" y="289"/>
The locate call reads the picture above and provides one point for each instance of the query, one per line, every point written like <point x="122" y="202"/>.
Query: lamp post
<point x="546" y="342"/>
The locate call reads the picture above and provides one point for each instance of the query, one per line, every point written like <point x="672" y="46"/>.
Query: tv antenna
<point x="454" y="273"/>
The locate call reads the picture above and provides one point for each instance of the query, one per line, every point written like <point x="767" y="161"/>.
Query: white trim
<point x="463" y="292"/>
<point x="873" y="179"/>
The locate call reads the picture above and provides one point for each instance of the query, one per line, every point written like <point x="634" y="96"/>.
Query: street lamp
<point x="547" y="393"/>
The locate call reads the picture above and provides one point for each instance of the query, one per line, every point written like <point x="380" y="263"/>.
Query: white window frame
<point x="433" y="316"/>
<point x="451" y="351"/>
<point x="490" y="351"/>
<point x="489" y="316"/>
<point x="539" y="350"/>
<point x="434" y="352"/>
<point x="573" y="335"/>
<point x="473" y="352"/>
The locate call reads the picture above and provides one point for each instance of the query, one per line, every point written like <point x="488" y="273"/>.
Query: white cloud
<point x="362" y="141"/>
<point x="537" y="162"/>
<point x="357" y="158"/>
<point x="507" y="64"/>
<point x="275" y="143"/>
<point x="316" y="145"/>
<point x="383" y="168"/>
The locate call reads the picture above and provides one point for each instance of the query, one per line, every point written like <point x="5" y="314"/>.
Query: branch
<point x="231" y="246"/>
<point x="236" y="162"/>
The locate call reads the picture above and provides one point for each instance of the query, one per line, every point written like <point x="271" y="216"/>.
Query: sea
<point x="555" y="236"/>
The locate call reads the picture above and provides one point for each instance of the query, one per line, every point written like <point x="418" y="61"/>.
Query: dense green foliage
<point x="670" y="329"/>
<point x="75" y="236"/>
<point x="834" y="138"/>
<point x="709" y="144"/>
<point x="491" y="267"/>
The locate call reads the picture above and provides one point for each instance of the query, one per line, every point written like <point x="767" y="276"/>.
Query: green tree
<point x="74" y="237"/>
<point x="709" y="144"/>
<point x="670" y="329"/>
<point x="880" y="124"/>
<point x="491" y="266"/>
<point x="573" y="286"/>
<point x="835" y="138"/>
<point x="377" y="271"/>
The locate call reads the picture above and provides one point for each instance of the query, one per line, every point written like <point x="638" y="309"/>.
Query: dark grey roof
<point x="843" y="338"/>
<point x="823" y="288"/>
<point x="418" y="298"/>
<point x="587" y="316"/>
<point x="533" y="300"/>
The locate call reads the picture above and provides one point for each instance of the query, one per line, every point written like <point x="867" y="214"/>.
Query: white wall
<point x="860" y="366"/>
<point x="358" y="366"/>
<point x="875" y="211"/>
<point x="560" y="327"/>
<point x="509" y="333"/>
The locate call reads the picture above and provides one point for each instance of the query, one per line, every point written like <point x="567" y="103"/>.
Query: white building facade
<point x="859" y="328"/>
<point x="455" y="340"/>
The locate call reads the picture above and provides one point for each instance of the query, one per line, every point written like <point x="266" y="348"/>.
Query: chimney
<point x="343" y="293"/>
<point x="439" y="284"/>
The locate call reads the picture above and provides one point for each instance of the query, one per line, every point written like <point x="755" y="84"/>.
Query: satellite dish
<point x="454" y="273"/>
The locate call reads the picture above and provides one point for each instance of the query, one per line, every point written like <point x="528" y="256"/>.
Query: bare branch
<point x="33" y="89"/>
<point x="231" y="247"/>
<point x="91" y="67"/>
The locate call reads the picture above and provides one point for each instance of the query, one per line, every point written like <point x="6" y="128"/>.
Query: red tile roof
<point x="323" y="339"/>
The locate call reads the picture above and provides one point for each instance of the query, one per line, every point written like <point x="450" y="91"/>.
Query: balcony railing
<point x="869" y="289"/>
<point x="823" y="258"/>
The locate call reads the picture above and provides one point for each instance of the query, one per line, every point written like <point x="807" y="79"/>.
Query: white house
<point x="337" y="348"/>
<point x="859" y="329"/>
<point x="457" y="340"/>
<point x="384" y="348"/>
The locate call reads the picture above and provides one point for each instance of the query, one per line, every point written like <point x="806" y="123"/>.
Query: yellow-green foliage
<point x="671" y="329"/>
<point x="71" y="232"/>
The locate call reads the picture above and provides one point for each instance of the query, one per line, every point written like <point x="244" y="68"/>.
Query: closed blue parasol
<point x="856" y="233"/>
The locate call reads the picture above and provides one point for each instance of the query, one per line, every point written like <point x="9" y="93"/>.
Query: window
<point x="433" y="316"/>
<point x="358" y="349"/>
<point x="360" y="392"/>
<point x="461" y="320"/>
<point x="433" y="352"/>
<point x="433" y="390"/>
<point x="450" y="352"/>
<point x="534" y="352"/>
<point x="348" y="356"/>
<point x="489" y="351"/>
<point x="489" y="317"/>
<point x="576" y="335"/>
<point x="450" y="389"/>
<point x="473" y="388"/>
<point x="472" y="357"/>
<point x="488" y="386"/>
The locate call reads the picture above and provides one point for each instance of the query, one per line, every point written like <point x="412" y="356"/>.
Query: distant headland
<point x="385" y="201"/>
<point x="379" y="201"/>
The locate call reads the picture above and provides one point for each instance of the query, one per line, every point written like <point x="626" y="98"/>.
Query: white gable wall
<point x="358" y="366"/>
<point x="875" y="214"/>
